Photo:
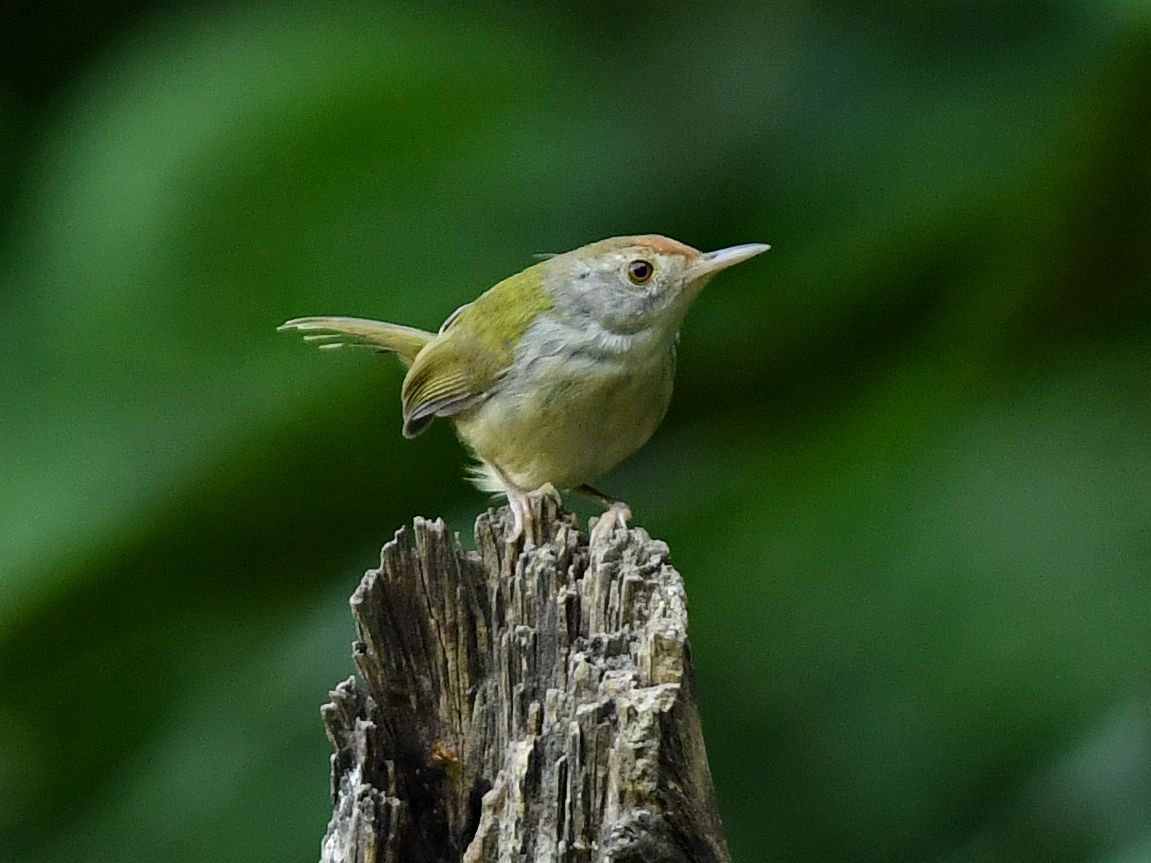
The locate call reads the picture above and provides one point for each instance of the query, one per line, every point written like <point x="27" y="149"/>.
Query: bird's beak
<point x="710" y="263"/>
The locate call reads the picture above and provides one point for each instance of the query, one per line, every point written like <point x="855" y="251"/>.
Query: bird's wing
<point x="336" y="332"/>
<point x="474" y="351"/>
<point x="453" y="374"/>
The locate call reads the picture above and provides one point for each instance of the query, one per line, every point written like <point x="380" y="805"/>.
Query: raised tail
<point x="334" y="332"/>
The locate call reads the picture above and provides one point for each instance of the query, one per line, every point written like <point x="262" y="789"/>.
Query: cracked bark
<point x="520" y="705"/>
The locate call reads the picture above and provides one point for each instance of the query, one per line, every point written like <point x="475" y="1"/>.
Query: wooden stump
<point x="517" y="705"/>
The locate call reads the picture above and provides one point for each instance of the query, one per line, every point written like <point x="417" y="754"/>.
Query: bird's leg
<point x="617" y="514"/>
<point x="520" y="503"/>
<point x="549" y="490"/>
<point x="522" y="523"/>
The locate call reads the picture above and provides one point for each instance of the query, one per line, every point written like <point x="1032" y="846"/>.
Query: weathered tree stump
<point x="516" y="705"/>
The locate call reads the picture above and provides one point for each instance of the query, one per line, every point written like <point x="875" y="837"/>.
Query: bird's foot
<point x="617" y="515"/>
<point x="549" y="490"/>
<point x="524" y="524"/>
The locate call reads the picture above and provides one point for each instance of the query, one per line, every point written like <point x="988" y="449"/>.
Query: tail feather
<point x="337" y="332"/>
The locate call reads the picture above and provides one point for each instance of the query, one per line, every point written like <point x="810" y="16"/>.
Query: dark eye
<point x="640" y="271"/>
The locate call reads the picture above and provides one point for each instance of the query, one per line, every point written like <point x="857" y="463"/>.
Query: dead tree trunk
<point x="536" y="705"/>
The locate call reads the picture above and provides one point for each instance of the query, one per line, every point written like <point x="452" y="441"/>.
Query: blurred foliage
<point x="906" y="474"/>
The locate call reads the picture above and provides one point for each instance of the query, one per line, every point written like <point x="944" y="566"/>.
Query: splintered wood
<point x="517" y="705"/>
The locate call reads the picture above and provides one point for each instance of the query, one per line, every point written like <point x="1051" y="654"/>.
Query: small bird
<point x="556" y="374"/>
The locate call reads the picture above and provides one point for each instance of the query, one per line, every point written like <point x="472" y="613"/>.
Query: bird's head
<point x="629" y="285"/>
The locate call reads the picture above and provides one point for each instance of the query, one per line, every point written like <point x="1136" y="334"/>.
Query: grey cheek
<point x="583" y="306"/>
<point x="644" y="305"/>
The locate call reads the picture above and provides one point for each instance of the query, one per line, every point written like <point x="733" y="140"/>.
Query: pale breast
<point x="572" y="410"/>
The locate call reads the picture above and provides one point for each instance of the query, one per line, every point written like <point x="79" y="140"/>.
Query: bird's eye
<point x="639" y="271"/>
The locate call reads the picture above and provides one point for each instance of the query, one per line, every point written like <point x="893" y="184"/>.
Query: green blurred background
<point x="906" y="475"/>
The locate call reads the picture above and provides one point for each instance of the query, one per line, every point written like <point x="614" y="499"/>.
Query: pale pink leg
<point x="522" y="526"/>
<point x="615" y="517"/>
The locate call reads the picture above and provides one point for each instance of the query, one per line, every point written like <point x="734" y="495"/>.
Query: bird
<point x="554" y="375"/>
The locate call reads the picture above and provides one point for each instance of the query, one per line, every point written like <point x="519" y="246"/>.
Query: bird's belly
<point x="566" y="422"/>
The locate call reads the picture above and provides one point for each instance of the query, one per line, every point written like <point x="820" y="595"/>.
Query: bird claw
<point x="523" y="519"/>
<point x="526" y="527"/>
<point x="615" y="517"/>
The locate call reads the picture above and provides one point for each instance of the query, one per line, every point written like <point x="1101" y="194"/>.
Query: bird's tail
<point x="334" y="332"/>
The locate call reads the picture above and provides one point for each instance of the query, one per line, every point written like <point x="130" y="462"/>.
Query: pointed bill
<point x="711" y="263"/>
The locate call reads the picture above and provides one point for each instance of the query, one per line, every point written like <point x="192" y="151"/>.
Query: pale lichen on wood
<point x="532" y="705"/>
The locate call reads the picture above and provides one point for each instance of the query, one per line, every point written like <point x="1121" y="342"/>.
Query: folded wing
<point x="456" y="372"/>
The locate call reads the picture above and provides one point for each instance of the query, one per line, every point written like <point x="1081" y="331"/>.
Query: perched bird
<point x="556" y="374"/>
